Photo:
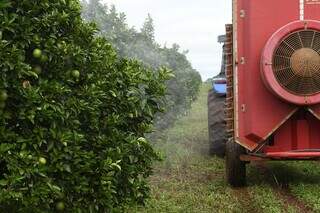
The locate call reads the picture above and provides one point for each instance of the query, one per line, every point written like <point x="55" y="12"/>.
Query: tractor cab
<point x="219" y="83"/>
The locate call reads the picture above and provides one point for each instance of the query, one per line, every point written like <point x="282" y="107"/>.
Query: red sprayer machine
<point x="273" y="83"/>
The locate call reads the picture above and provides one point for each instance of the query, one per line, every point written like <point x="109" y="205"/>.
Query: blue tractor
<point x="216" y="103"/>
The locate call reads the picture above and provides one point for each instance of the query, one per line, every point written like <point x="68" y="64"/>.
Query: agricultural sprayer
<point x="272" y="69"/>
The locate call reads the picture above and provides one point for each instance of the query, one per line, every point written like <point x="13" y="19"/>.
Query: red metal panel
<point x="259" y="112"/>
<point x="311" y="9"/>
<point x="285" y="139"/>
<point x="300" y="132"/>
<point x="314" y="132"/>
<point x="303" y="137"/>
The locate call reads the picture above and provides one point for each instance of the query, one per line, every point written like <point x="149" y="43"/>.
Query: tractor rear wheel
<point x="216" y="124"/>
<point x="235" y="168"/>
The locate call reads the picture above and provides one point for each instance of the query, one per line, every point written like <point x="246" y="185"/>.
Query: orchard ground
<point x="189" y="180"/>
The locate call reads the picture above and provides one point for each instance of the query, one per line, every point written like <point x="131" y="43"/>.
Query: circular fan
<point x="296" y="63"/>
<point x="290" y="63"/>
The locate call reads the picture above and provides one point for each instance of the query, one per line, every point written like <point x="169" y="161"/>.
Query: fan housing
<point x="291" y="63"/>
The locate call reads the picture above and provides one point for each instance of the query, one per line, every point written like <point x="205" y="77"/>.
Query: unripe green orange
<point x="2" y="105"/>
<point x="42" y="160"/>
<point x="60" y="206"/>
<point x="3" y="95"/>
<point x="37" y="53"/>
<point x="75" y="73"/>
<point x="43" y="58"/>
<point x="37" y="69"/>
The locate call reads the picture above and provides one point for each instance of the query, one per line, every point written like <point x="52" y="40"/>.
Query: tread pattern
<point x="216" y="124"/>
<point x="235" y="168"/>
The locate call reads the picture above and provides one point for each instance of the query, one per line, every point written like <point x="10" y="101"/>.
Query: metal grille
<point x="296" y="63"/>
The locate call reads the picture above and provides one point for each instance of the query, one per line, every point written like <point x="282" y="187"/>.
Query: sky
<point x="194" y="25"/>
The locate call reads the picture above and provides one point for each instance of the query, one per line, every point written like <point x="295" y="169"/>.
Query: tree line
<point x="182" y="89"/>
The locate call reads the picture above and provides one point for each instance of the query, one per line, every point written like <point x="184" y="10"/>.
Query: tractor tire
<point x="216" y="124"/>
<point x="235" y="168"/>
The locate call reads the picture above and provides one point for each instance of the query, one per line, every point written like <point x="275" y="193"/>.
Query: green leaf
<point x="5" y="4"/>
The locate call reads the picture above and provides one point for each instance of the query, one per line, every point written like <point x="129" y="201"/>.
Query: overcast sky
<point x="194" y="25"/>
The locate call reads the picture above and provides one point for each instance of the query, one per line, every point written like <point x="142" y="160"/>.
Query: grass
<point x="189" y="180"/>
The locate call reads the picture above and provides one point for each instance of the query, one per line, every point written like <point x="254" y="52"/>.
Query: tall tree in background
<point x="148" y="28"/>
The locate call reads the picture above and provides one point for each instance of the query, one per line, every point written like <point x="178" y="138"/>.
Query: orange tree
<point x="72" y="114"/>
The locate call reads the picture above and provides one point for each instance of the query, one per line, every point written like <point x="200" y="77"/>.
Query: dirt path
<point x="281" y="189"/>
<point x="245" y="199"/>
<point x="290" y="200"/>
